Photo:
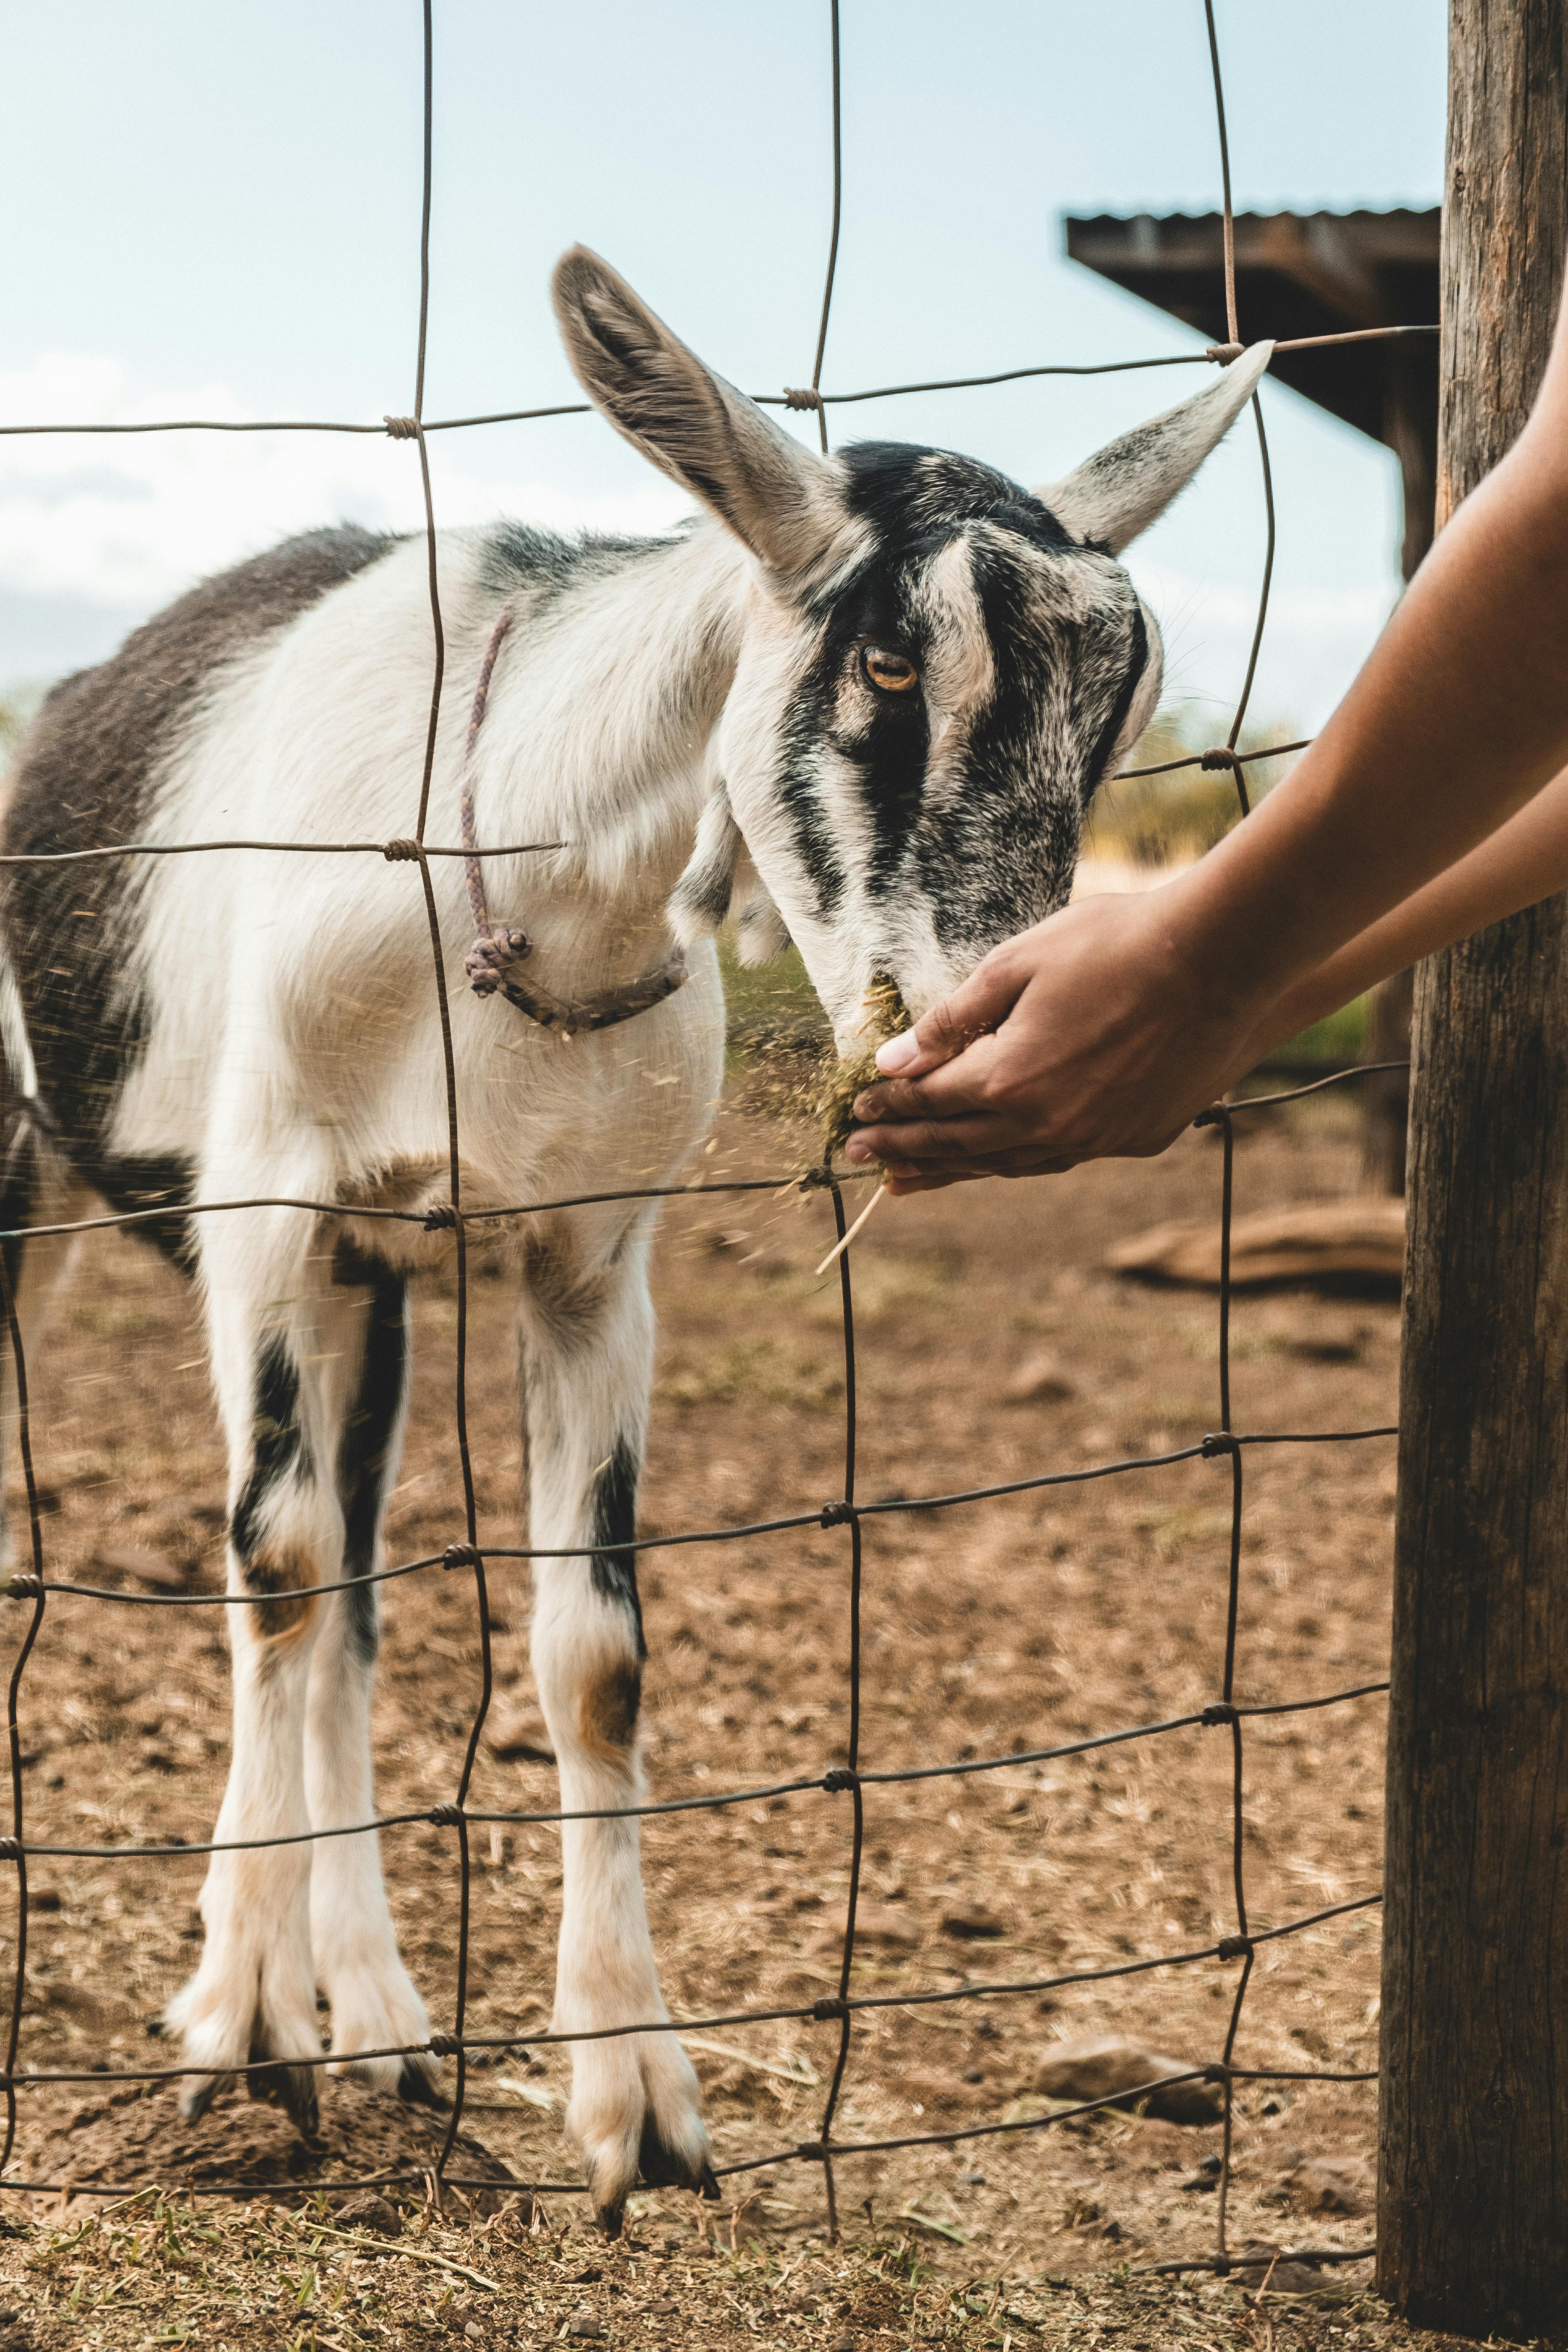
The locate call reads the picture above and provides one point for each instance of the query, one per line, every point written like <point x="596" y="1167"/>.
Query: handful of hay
<point x="888" y="1015"/>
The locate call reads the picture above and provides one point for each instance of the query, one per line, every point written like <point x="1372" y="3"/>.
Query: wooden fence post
<point x="1473" y="2170"/>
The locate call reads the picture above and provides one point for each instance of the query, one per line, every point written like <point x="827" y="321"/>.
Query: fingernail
<point x="897" y="1051"/>
<point x="857" y="1150"/>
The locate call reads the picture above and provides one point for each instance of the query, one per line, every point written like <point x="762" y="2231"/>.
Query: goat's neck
<point x="600" y="734"/>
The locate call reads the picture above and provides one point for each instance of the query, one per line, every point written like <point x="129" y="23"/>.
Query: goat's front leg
<point x="588" y="1360"/>
<point x="254" y="1995"/>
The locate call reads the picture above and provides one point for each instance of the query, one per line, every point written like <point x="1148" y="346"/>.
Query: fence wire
<point x="851" y="1777"/>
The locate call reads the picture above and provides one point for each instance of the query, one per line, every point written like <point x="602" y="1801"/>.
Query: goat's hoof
<point x="197" y="2094"/>
<point x="418" y="2085"/>
<point x="611" y="2218"/>
<point x="661" y="2165"/>
<point x="292" y="2088"/>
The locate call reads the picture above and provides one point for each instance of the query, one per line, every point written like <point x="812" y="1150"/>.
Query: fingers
<point x="942" y="1140"/>
<point x="911" y="1176"/>
<point x="960" y="1084"/>
<point x="986" y="998"/>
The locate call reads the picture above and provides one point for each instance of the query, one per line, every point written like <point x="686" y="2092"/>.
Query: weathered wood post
<point x="1473" y="2189"/>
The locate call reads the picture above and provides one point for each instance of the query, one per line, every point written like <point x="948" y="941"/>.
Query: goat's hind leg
<point x="588" y="1358"/>
<point x="254" y="1996"/>
<point x="37" y="1187"/>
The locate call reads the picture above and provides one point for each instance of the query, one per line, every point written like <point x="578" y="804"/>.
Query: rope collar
<point x="495" y="961"/>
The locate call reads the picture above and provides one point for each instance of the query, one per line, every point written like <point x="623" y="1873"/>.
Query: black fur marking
<point x="614" y="1573"/>
<point x="1003" y="856"/>
<point x="277" y="1444"/>
<point x="906" y="493"/>
<point x="521" y="555"/>
<point x="145" y="1181"/>
<point x="364" y="1450"/>
<point x="85" y="776"/>
<point x="18" y="1192"/>
<point x="659" y="2165"/>
<point x="1137" y="663"/>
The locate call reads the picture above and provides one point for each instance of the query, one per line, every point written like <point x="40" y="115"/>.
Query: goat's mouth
<point x="883" y="1014"/>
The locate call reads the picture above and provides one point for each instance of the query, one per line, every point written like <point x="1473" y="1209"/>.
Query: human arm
<point x="1103" y="1030"/>
<point x="1524" y="861"/>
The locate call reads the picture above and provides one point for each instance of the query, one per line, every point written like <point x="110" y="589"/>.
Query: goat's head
<point x="936" y="668"/>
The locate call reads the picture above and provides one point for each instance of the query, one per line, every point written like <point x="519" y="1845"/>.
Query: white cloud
<point x="131" y="520"/>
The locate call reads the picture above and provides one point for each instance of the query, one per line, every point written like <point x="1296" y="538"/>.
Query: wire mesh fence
<point x="469" y="1553"/>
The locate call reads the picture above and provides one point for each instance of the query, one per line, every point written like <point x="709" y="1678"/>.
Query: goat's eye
<point x="890" y="673"/>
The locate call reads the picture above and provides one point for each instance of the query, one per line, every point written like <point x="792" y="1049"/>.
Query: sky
<point x="212" y="208"/>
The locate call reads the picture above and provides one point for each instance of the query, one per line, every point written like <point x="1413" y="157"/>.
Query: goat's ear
<point x="700" y="900"/>
<point x="776" y="496"/>
<point x="721" y="869"/>
<point x="760" y="930"/>
<point x="1126" y="485"/>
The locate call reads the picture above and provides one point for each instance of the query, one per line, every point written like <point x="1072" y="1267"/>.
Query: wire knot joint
<point x="803" y="397"/>
<point x="401" y="851"/>
<point x="444" y="2045"/>
<point x="823" y="2011"/>
<point x="10" y="1849"/>
<point x="812" y="2151"/>
<point x="441" y="1219"/>
<point x="1223" y="352"/>
<point x="24" y="1587"/>
<point x="1216" y="1441"/>
<point x="838" y="1514"/>
<point x="839" y="1778"/>
<point x="402" y="429"/>
<point x="446" y="1817"/>
<point x="1219" y="1710"/>
<point x="1235" y="1947"/>
<point x="461" y="1555"/>
<point x="1222" y="758"/>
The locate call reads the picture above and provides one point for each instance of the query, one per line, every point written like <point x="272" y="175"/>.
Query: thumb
<point x="982" y="1004"/>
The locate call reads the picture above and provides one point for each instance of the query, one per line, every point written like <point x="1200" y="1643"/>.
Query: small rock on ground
<point x="519" y="1732"/>
<point x="889" y="1924"/>
<point x="968" y="1922"/>
<point x="1260" y="2270"/>
<point x="371" y="2212"/>
<point x="129" y="1562"/>
<point x="1334" y="2184"/>
<point x="1040" y="1381"/>
<point x="1107" y="2068"/>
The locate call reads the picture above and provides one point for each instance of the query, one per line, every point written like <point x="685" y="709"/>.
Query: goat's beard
<point x="885" y="1015"/>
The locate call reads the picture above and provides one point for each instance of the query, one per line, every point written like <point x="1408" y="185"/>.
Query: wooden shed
<point x="1300" y="275"/>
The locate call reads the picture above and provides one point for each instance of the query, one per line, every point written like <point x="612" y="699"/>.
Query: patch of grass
<point x="883" y="1284"/>
<point x="770" y="1000"/>
<point x="1164" y="820"/>
<point x="752" y="1371"/>
<point x="1339" y="1038"/>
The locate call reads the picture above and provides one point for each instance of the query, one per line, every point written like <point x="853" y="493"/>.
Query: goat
<point x="861" y="703"/>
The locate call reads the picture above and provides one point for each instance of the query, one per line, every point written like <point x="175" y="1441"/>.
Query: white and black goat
<point x="862" y="704"/>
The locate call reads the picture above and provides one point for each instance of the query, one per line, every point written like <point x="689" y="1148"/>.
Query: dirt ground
<point x="989" y="1628"/>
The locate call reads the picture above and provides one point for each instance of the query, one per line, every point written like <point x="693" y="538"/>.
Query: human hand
<point x="1093" y="1036"/>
